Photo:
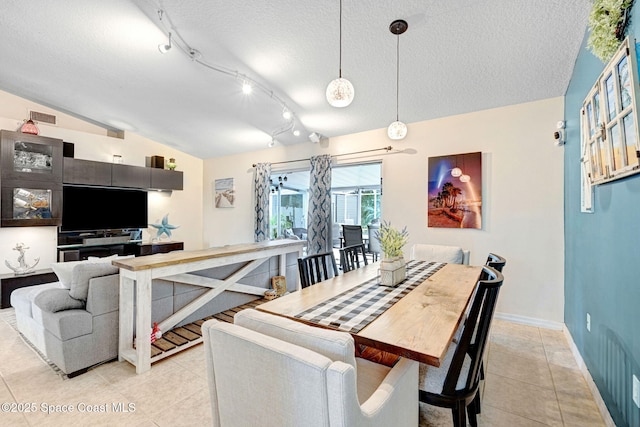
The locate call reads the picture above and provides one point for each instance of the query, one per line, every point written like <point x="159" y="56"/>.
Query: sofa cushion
<point x="83" y="272"/>
<point x="54" y="300"/>
<point x="64" y="270"/>
<point x="22" y="298"/>
<point x="337" y="346"/>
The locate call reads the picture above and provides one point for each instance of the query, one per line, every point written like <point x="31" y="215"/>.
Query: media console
<point x="80" y="246"/>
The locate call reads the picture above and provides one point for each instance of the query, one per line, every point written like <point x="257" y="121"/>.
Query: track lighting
<point x="272" y="143"/>
<point x="286" y="114"/>
<point x="164" y="48"/>
<point x="247" y="88"/>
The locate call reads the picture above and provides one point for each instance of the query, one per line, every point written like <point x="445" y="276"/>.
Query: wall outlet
<point x="636" y="391"/>
<point x="588" y="322"/>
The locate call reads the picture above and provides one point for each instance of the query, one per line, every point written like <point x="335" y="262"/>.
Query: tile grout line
<point x="553" y="381"/>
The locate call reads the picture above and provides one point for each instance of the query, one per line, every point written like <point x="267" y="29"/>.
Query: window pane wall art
<point x="455" y="191"/>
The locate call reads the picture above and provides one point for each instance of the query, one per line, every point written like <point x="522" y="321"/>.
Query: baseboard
<point x="530" y="321"/>
<point x="604" y="411"/>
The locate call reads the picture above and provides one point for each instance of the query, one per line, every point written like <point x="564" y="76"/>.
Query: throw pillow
<point x="83" y="272"/>
<point x="55" y="300"/>
<point x="64" y="270"/>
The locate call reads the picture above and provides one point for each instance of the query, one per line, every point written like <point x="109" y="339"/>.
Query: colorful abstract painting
<point x="455" y="191"/>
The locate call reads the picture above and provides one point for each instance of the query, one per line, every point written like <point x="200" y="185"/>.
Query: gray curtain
<point x="261" y="189"/>
<point x="319" y="221"/>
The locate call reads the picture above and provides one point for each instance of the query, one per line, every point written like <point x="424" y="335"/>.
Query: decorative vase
<point x="392" y="271"/>
<point x="171" y="164"/>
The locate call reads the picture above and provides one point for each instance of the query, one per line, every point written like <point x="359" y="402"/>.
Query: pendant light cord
<point x="397" y="75"/>
<point x="340" y="70"/>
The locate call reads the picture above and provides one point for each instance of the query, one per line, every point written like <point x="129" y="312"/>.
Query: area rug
<point x="9" y="316"/>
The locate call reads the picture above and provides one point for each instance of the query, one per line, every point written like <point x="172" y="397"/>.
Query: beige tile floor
<point x="532" y="380"/>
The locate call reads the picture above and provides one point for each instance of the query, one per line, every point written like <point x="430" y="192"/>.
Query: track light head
<point x="164" y="48"/>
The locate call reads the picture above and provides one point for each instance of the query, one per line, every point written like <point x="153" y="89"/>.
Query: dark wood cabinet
<point x="30" y="180"/>
<point x="30" y="157"/>
<point x="164" y="179"/>
<point x="130" y="176"/>
<point x="158" y="248"/>
<point x="87" y="172"/>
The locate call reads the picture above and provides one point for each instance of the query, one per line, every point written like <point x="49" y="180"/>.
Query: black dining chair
<point x="350" y="257"/>
<point x="496" y="261"/>
<point x="455" y="384"/>
<point x="316" y="268"/>
<point x="351" y="235"/>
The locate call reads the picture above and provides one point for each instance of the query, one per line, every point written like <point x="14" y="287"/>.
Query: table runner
<point x="352" y="310"/>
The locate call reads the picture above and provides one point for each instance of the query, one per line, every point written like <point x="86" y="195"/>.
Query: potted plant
<point x="607" y="22"/>
<point x="392" y="267"/>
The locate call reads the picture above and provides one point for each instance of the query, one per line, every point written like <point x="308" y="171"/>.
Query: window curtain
<point x="319" y="220"/>
<point x="261" y="192"/>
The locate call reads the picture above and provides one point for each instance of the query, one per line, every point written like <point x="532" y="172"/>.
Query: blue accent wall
<point x="602" y="259"/>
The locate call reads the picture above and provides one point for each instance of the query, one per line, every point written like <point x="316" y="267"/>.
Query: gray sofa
<point x="74" y="322"/>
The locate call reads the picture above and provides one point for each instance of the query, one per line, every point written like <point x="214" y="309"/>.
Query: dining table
<point x="416" y="319"/>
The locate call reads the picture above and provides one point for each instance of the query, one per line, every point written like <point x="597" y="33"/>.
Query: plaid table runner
<point x="352" y="310"/>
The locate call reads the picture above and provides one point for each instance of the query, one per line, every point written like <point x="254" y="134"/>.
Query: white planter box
<point x="392" y="271"/>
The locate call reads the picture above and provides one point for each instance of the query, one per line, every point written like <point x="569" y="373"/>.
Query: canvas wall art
<point x="225" y="194"/>
<point x="455" y="191"/>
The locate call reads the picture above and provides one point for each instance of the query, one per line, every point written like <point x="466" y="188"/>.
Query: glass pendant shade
<point x="465" y="178"/>
<point x="397" y="130"/>
<point x="340" y="93"/>
<point x="456" y="172"/>
<point x="29" y="127"/>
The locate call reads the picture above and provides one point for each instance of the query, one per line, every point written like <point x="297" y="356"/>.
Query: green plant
<point x="391" y="239"/>
<point x="606" y="24"/>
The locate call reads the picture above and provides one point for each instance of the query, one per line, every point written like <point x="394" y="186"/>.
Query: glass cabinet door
<point x="31" y="157"/>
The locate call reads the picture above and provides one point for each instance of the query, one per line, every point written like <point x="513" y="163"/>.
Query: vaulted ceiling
<point x="100" y="61"/>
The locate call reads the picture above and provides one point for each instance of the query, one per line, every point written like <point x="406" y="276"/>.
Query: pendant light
<point x="397" y="129"/>
<point x="340" y="91"/>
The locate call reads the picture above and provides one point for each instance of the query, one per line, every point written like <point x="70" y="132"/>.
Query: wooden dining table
<point x="419" y="326"/>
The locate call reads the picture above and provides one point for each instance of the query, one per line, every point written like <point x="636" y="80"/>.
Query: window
<point x="356" y="195"/>
<point x="609" y="122"/>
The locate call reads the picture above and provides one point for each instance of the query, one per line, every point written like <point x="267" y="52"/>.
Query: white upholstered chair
<point x="270" y="371"/>
<point x="440" y="253"/>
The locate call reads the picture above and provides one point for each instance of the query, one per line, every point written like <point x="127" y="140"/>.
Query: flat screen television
<point x="99" y="208"/>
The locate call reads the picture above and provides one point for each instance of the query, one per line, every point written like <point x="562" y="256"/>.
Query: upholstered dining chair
<point x="455" y="384"/>
<point x="350" y="257"/>
<point x="316" y="268"/>
<point x="269" y="371"/>
<point x="351" y="235"/>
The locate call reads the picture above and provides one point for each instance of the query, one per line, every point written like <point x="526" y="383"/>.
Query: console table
<point x="10" y="282"/>
<point x="136" y="275"/>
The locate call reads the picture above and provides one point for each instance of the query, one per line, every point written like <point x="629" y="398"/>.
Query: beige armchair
<point x="270" y="371"/>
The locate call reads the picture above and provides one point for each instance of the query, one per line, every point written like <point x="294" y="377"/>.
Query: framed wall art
<point x="454" y="197"/>
<point x="224" y="193"/>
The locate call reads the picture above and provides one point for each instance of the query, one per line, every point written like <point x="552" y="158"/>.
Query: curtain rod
<point x="387" y="148"/>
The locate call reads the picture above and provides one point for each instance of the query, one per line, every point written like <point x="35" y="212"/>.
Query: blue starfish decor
<point x="164" y="227"/>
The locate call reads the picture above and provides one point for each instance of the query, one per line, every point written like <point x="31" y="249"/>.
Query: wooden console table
<point x="136" y="275"/>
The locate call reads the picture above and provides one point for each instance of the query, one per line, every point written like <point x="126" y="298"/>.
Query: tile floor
<point x="532" y="380"/>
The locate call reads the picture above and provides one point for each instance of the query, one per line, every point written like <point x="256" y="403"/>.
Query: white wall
<point x="91" y="143"/>
<point x="522" y="194"/>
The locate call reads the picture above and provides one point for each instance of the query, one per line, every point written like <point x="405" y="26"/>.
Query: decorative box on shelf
<point x="392" y="271"/>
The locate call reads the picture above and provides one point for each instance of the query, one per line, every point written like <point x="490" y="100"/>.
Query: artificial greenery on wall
<point x="607" y="22"/>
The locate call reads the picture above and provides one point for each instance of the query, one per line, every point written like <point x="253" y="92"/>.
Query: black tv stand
<point x="77" y="246"/>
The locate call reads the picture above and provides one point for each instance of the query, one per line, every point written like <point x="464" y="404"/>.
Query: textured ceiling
<point x="100" y="61"/>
